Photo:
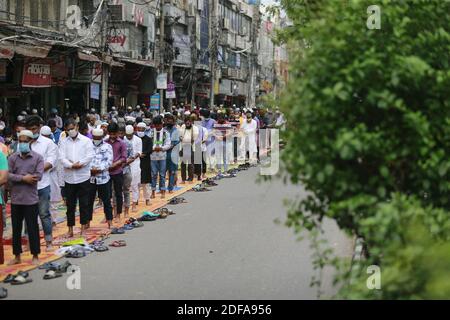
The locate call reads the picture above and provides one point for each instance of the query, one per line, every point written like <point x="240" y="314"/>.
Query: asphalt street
<point x="222" y="244"/>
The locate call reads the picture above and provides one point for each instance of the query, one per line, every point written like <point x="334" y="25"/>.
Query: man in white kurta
<point x="248" y="142"/>
<point x="135" y="165"/>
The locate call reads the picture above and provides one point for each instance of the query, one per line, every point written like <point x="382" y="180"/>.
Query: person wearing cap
<point x="76" y="153"/>
<point x="54" y="116"/>
<point x="94" y="113"/>
<point x="208" y="124"/>
<point x="113" y="113"/>
<point x="48" y="150"/>
<point x="188" y="135"/>
<point x="145" y="161"/>
<point x="116" y="169"/>
<point x="161" y="143"/>
<point x="127" y="176"/>
<point x="137" y="113"/>
<point x="248" y="143"/>
<point x="173" y="152"/>
<point x="46" y="132"/>
<point x="129" y="112"/>
<point x="100" y="182"/>
<point x="135" y="165"/>
<point x="91" y="119"/>
<point x="26" y="168"/>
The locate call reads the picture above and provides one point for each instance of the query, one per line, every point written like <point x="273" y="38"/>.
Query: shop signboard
<point x="37" y="73"/>
<point x="154" y="102"/>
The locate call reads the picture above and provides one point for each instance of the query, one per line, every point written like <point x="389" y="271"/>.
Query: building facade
<point x="71" y="54"/>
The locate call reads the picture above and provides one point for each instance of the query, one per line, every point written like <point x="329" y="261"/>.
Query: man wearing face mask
<point x="135" y="165"/>
<point x="116" y="169"/>
<point x="173" y="152"/>
<point x="161" y="143"/>
<point x="76" y="153"/>
<point x="248" y="142"/>
<point x="147" y="147"/>
<point x="48" y="150"/>
<point x="26" y="168"/>
<point x="100" y="181"/>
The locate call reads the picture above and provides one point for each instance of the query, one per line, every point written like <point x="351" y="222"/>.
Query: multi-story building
<point x="72" y="53"/>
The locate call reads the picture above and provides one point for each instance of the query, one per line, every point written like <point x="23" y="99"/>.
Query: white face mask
<point x="140" y="134"/>
<point x="97" y="142"/>
<point x="73" y="133"/>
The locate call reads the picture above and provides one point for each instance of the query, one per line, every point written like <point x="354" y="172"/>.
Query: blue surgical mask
<point x="24" y="147"/>
<point x="35" y="136"/>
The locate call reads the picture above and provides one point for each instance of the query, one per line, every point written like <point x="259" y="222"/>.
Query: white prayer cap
<point x="20" y="118"/>
<point x="187" y="113"/>
<point x="104" y="124"/>
<point x="2" y="127"/>
<point x="113" y="108"/>
<point x="133" y="119"/>
<point x="26" y="133"/>
<point x="24" y="113"/>
<point x="142" y="125"/>
<point x="97" y="132"/>
<point x="34" y="111"/>
<point x="129" y="129"/>
<point x="138" y="107"/>
<point x="46" y="131"/>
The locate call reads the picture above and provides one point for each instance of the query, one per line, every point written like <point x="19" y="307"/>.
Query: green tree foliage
<point x="369" y="117"/>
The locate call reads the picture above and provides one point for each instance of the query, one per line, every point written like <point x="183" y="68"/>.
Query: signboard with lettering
<point x="37" y="73"/>
<point x="170" y="93"/>
<point x="154" y="102"/>
<point x="95" y="91"/>
<point x="119" y="41"/>
<point x="161" y="81"/>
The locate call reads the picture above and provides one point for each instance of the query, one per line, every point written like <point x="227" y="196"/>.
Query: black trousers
<point x="30" y="213"/>
<point x="189" y="166"/>
<point x="204" y="162"/>
<point x="117" y="186"/>
<point x="77" y="192"/>
<point x="104" y="193"/>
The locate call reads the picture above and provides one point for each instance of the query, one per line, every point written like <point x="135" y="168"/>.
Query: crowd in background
<point x="122" y="157"/>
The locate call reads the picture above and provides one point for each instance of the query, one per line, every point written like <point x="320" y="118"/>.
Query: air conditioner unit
<point x="225" y="24"/>
<point x="200" y="5"/>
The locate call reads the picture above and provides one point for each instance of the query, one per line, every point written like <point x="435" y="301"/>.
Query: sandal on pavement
<point x="8" y="278"/>
<point x="18" y="280"/>
<point x="118" y="243"/>
<point x="76" y="254"/>
<point x="101" y="248"/>
<point x="52" y="274"/>
<point x="117" y="231"/>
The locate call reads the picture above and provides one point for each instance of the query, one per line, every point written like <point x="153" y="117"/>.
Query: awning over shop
<point x="31" y="49"/>
<point x="145" y="63"/>
<point x="88" y="57"/>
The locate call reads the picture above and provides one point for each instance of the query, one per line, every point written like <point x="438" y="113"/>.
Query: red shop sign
<point x="37" y="73"/>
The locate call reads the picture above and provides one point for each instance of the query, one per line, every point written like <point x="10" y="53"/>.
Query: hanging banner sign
<point x="154" y="102"/>
<point x="95" y="91"/>
<point x="37" y="73"/>
<point x="161" y="81"/>
<point x="170" y="93"/>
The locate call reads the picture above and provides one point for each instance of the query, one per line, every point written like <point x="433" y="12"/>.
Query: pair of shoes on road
<point x="200" y="188"/>
<point x="177" y="200"/>
<point x="209" y="182"/>
<point x="117" y="231"/>
<point x="118" y="243"/>
<point x="164" y="212"/>
<point x="22" y="277"/>
<point x="56" y="266"/>
<point x="56" y="270"/>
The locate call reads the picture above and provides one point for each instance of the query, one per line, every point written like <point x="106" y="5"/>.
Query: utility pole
<point x="105" y="71"/>
<point x="172" y="55"/>
<point x="161" y="52"/>
<point x="253" y="61"/>
<point x="193" y="59"/>
<point x="213" y="47"/>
